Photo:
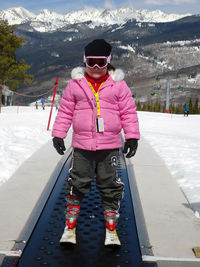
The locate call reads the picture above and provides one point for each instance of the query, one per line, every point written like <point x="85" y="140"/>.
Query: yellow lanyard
<point x="96" y="94"/>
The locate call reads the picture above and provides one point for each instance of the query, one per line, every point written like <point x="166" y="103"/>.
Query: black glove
<point x="58" y="143"/>
<point x="132" y="145"/>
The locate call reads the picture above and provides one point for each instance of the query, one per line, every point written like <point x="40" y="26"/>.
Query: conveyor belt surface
<point x="43" y="248"/>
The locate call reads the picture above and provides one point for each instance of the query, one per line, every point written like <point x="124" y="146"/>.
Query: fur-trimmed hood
<point x="79" y="72"/>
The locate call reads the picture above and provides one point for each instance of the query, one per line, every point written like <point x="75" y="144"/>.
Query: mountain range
<point x="48" y="21"/>
<point x="151" y="48"/>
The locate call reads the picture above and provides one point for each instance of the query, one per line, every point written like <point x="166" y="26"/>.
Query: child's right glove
<point x="132" y="145"/>
<point x="58" y="143"/>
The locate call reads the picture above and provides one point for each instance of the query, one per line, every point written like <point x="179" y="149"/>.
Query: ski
<point x="69" y="236"/>
<point x="112" y="238"/>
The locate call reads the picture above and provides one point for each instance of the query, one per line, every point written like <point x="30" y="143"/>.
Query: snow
<point x="22" y="132"/>
<point x="175" y="138"/>
<point x="182" y="43"/>
<point x="128" y="47"/>
<point x="48" y="21"/>
<point x="17" y="15"/>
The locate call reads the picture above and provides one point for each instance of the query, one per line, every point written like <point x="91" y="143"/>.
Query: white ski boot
<point x="111" y="238"/>
<point x="69" y="234"/>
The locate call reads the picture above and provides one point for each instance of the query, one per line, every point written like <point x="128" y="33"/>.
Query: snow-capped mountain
<point x="48" y="21"/>
<point x="17" y="15"/>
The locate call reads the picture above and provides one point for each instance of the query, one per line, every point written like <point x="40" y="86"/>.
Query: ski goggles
<point x="97" y="61"/>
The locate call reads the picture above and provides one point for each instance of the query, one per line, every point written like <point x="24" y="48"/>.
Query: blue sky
<point x="64" y="6"/>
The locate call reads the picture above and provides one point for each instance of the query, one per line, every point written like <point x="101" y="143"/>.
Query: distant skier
<point x="36" y="105"/>
<point x="98" y="103"/>
<point x="43" y="103"/>
<point x="186" y="110"/>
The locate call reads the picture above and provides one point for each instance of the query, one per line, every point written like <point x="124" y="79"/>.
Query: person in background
<point x="186" y="110"/>
<point x="43" y="103"/>
<point x="98" y="104"/>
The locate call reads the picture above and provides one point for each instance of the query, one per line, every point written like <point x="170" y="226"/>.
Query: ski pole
<point x="55" y="87"/>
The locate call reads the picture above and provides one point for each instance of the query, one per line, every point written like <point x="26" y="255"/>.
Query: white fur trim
<point x="79" y="72"/>
<point x="117" y="75"/>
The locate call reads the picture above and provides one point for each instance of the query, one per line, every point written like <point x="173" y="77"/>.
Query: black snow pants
<point x="102" y="163"/>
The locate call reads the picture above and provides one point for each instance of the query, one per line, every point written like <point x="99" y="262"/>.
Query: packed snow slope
<point x="175" y="138"/>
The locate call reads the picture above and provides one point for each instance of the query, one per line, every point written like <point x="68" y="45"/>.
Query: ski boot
<point x="111" y="218"/>
<point x="71" y="215"/>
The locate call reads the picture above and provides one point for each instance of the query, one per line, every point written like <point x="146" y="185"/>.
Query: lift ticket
<point x="100" y="125"/>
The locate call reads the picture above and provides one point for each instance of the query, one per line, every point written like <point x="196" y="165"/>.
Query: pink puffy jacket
<point x="78" y="107"/>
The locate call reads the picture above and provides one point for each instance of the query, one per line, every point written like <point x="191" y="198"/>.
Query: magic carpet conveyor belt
<point x="42" y="247"/>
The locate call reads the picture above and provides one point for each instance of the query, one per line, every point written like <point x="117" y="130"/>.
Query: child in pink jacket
<point x="98" y="104"/>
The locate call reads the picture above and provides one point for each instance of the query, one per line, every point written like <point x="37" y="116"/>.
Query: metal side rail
<point x="42" y="248"/>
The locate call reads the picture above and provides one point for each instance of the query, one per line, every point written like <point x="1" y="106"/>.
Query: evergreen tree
<point x="164" y="107"/>
<point x="172" y="108"/>
<point x="196" y="107"/>
<point x="190" y="106"/>
<point x="179" y="109"/>
<point x="138" y="104"/>
<point x="149" y="106"/>
<point x="12" y="71"/>
<point x="158" y="106"/>
<point x="144" y="108"/>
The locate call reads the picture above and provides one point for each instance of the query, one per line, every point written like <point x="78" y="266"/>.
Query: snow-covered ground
<point x="176" y="138"/>
<point x="23" y="130"/>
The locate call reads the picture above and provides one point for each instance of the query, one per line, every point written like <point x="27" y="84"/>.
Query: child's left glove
<point x="132" y="145"/>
